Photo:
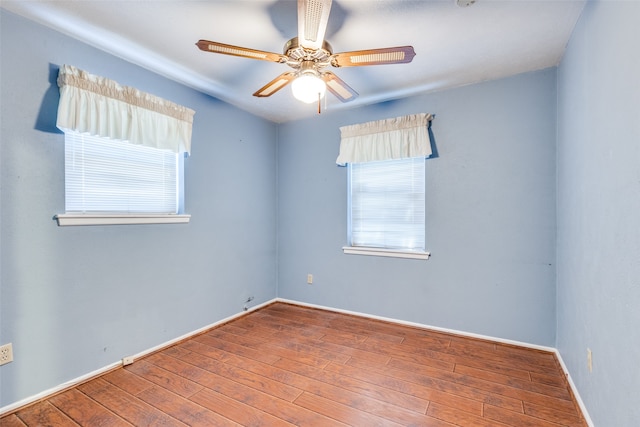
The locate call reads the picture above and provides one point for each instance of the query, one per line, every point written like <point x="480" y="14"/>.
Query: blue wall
<point x="599" y="210"/>
<point x="490" y="214"/>
<point x="76" y="299"/>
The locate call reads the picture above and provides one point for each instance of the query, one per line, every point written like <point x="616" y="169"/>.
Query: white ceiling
<point x="454" y="45"/>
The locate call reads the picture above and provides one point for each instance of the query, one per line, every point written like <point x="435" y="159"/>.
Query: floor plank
<point x="243" y="414"/>
<point x="365" y="388"/>
<point x="12" y="421"/>
<point x="125" y="405"/>
<point x="286" y="365"/>
<point x="86" y="411"/>
<point x="460" y="418"/>
<point x="432" y="394"/>
<point x="44" y="414"/>
<point x="183" y="409"/>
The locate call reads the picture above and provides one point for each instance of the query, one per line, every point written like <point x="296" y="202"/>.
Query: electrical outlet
<point x="6" y="354"/>
<point x="127" y="360"/>
<point x="310" y="279"/>
<point x="589" y="360"/>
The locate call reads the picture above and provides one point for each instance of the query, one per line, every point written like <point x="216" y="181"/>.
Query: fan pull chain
<point x="319" y="100"/>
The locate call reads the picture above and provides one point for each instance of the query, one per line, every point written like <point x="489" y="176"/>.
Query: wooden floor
<point x="287" y="365"/>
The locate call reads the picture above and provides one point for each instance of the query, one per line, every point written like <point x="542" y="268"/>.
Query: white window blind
<point x="107" y="176"/>
<point x="387" y="204"/>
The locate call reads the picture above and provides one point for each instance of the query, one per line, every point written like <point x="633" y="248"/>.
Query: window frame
<point x="116" y="217"/>
<point x="380" y="251"/>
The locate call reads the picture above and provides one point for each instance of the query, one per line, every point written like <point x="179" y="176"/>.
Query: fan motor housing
<point x="295" y="51"/>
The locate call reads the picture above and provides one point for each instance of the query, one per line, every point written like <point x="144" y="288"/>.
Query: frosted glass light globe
<point x="307" y="87"/>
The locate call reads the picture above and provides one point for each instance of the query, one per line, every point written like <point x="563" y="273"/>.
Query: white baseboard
<point x="579" y="401"/>
<point x="574" y="390"/>
<point x="423" y="326"/>
<point x="81" y="379"/>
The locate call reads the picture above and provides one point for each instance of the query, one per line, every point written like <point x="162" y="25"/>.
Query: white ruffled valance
<point x="99" y="106"/>
<point x="399" y="138"/>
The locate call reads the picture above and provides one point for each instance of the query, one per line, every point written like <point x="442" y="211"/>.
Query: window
<point x="115" y="182"/>
<point x="387" y="206"/>
<point x="385" y="161"/>
<point x="106" y="176"/>
<point x="124" y="152"/>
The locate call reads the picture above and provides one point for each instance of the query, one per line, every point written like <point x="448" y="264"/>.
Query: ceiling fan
<point x="309" y="54"/>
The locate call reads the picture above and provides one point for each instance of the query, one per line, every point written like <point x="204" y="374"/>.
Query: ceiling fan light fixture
<point x="308" y="88"/>
<point x="309" y="55"/>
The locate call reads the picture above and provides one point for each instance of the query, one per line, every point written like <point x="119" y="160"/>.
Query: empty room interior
<point x="524" y="286"/>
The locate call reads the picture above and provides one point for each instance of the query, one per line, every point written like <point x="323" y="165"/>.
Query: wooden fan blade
<point x="227" y="49"/>
<point x="275" y="85"/>
<point x="338" y="87"/>
<point x="388" y="55"/>
<point x="313" y="16"/>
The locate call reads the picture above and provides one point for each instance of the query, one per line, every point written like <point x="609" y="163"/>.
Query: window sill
<point x="353" y="250"/>
<point x="119" y="219"/>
